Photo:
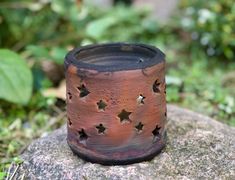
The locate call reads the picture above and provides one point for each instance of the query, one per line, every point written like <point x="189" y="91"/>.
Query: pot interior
<point x="115" y="55"/>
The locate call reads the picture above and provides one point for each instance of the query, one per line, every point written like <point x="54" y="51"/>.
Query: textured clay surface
<point x="116" y="117"/>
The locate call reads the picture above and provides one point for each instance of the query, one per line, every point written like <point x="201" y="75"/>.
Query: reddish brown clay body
<point x="116" y="104"/>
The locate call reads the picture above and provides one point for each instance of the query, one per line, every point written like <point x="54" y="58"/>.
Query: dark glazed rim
<point x="157" y="57"/>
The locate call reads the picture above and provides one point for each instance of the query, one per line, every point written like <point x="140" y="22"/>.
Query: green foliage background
<point x="199" y="41"/>
<point x="212" y="26"/>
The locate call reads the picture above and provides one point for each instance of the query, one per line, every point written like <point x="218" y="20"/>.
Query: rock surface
<point x="198" y="147"/>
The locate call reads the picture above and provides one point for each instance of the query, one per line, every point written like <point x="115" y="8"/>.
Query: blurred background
<point x="198" y="39"/>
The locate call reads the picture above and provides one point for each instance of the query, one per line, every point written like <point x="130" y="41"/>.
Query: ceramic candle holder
<point x="116" y="102"/>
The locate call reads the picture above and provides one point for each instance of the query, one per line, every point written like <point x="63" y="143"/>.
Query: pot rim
<point x="132" y="56"/>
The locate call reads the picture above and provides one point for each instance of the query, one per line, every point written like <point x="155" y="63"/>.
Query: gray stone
<point x="198" y="147"/>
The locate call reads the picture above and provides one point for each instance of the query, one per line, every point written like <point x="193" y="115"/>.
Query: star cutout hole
<point x="124" y="115"/>
<point x="156" y="133"/>
<point x="83" y="91"/>
<point x="82" y="135"/>
<point x="140" y="99"/>
<point x="156" y="87"/>
<point x="69" y="95"/>
<point x="139" y="127"/>
<point x="100" y="128"/>
<point x="101" y="105"/>
<point x="70" y="122"/>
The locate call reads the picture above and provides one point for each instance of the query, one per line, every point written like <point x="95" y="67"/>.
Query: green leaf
<point x="2" y="175"/>
<point x="97" y="28"/>
<point x="59" y="6"/>
<point x="18" y="160"/>
<point x="58" y="54"/>
<point x="38" y="51"/>
<point x="170" y="80"/>
<point x="15" y="78"/>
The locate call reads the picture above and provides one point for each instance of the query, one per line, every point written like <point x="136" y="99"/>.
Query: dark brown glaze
<point x="116" y="117"/>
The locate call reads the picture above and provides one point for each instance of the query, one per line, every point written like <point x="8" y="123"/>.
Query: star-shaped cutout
<point x="155" y="132"/>
<point x="124" y="115"/>
<point x="82" y="135"/>
<point x="156" y="87"/>
<point x="140" y="99"/>
<point x="83" y="91"/>
<point x="101" y="105"/>
<point x="100" y="129"/>
<point x="70" y="122"/>
<point x="139" y="127"/>
<point x="69" y="95"/>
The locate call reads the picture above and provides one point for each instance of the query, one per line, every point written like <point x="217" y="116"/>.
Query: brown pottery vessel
<point x="116" y="102"/>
